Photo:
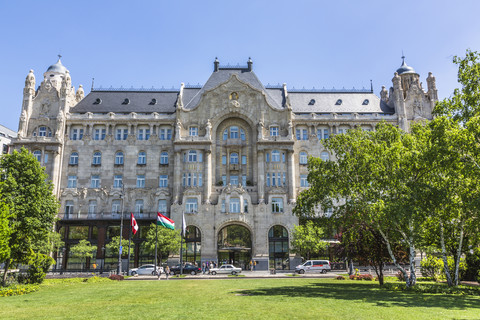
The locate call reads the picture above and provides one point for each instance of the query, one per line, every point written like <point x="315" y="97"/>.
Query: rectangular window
<point x="165" y="134"/>
<point x="42" y="131"/>
<point x="184" y="180"/>
<point x="234" y="180"/>
<point x="141" y="181"/>
<point x="267" y="157"/>
<point x="99" y="134"/>
<point x="268" y="180"/>
<point x="194" y="179"/>
<point x="45" y="158"/>
<point x="223" y="205"/>
<point x="162" y="207"/>
<point x="224" y="180"/>
<point x="164" y="158"/>
<point x="234" y="205"/>
<point x="193" y="131"/>
<point x="224" y="159"/>
<point x="277" y="205"/>
<point x="274" y="131"/>
<point x="244" y="159"/>
<point x="76" y="134"/>
<point x="117" y="181"/>
<point x="121" y="134"/>
<point x="138" y="206"/>
<point x="95" y="182"/>
<point x="200" y="180"/>
<point x="303" y="181"/>
<point x="72" y="182"/>
<point x="116" y="206"/>
<point x="274" y="180"/>
<point x="92" y="206"/>
<point x="69" y="207"/>
<point x="163" y="181"/>
<point x="143" y="134"/>
<point x="191" y="205"/>
<point x="244" y="180"/>
<point x="284" y="179"/>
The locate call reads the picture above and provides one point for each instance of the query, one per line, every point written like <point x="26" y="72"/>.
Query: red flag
<point x="134" y="225"/>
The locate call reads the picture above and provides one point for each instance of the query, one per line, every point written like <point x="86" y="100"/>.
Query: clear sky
<point x="341" y="43"/>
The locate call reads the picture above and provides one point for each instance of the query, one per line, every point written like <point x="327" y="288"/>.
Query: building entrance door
<point x="235" y="246"/>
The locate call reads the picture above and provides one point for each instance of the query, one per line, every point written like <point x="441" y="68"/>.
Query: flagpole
<point x="119" y="269"/>
<point x="129" y="240"/>
<point x="182" y="234"/>
<point x="156" y="240"/>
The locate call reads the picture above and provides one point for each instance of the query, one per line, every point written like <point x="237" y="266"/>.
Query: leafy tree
<point x="308" y="240"/>
<point x="4" y="232"/>
<point x="27" y="192"/>
<point x="83" y="250"/>
<point x="113" y="247"/>
<point x="168" y="242"/>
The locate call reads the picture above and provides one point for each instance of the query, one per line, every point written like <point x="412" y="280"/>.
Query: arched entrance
<point x="278" y="248"/>
<point x="235" y="246"/>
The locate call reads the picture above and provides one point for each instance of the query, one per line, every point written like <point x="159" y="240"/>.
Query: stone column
<point x="261" y="176"/>
<point x="291" y="177"/>
<point x="208" y="176"/>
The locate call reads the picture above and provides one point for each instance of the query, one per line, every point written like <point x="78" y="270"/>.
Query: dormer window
<point x="98" y="101"/>
<point x="312" y="102"/>
<point x="126" y="101"/>
<point x="274" y="131"/>
<point x="339" y="102"/>
<point x="365" y="102"/>
<point x="153" y="102"/>
<point x="193" y="131"/>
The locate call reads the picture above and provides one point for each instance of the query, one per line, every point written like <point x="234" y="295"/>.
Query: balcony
<point x="107" y="216"/>
<point x="234" y="167"/>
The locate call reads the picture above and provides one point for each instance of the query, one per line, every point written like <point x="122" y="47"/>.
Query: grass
<point x="288" y="298"/>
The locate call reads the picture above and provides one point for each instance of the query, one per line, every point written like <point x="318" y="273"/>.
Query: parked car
<point x="314" y="266"/>
<point x="146" y="269"/>
<point x="187" y="269"/>
<point x="226" y="268"/>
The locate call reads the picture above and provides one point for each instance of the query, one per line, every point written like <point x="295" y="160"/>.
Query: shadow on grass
<point x="369" y="293"/>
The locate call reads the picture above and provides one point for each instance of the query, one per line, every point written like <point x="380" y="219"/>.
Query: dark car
<point x="187" y="269"/>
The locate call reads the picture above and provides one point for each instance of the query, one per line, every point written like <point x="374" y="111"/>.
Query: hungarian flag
<point x="134" y="225"/>
<point x="165" y="222"/>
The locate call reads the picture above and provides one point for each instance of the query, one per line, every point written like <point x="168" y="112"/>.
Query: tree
<point x="168" y="241"/>
<point x="308" y="240"/>
<point x="4" y="232"/>
<point x="83" y="250"/>
<point x="26" y="190"/>
<point x="113" y="246"/>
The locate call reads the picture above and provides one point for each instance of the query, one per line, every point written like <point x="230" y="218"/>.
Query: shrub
<point x="433" y="288"/>
<point x="116" y="277"/>
<point x="472" y="262"/>
<point x="352" y="277"/>
<point x="17" y="290"/>
<point x="400" y="276"/>
<point x="38" y="268"/>
<point x="431" y="267"/>
<point x="367" y="277"/>
<point x="340" y="278"/>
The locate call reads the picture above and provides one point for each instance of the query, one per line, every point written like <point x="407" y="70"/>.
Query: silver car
<point x="226" y="268"/>
<point x="147" y="269"/>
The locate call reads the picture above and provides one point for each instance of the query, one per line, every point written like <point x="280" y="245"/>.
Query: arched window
<point x="142" y="157"/>
<point x="97" y="158"/>
<point x="119" y="158"/>
<point x="164" y="158"/>
<point x="225" y="134"/>
<point x="233" y="158"/>
<point x="303" y="157"/>
<point x="73" y="158"/>
<point x="278" y="247"/>
<point x="324" y="156"/>
<point x="38" y="155"/>
<point x="275" y="156"/>
<point x="233" y="132"/>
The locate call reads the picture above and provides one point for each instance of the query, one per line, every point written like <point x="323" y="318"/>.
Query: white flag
<point x="184" y="225"/>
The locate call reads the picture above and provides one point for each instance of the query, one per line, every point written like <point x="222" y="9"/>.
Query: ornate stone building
<point x="230" y="154"/>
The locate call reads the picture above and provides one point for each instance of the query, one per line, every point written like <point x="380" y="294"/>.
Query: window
<point x="277" y="205"/>
<point x="92" y="206"/>
<point x="324" y="156"/>
<point x="302" y="134"/>
<point x="162" y="207"/>
<point x="274" y="181"/>
<point x="119" y="158"/>
<point x="192" y="156"/>
<point x="245" y="205"/>
<point x="69" y="207"/>
<point x="45" y="158"/>
<point x="244" y="159"/>
<point x="242" y="134"/>
<point x="339" y="102"/>
<point x="99" y="133"/>
<point x="303" y="181"/>
<point x="163" y="181"/>
<point x="284" y="179"/>
<point x="267" y="157"/>
<point x="73" y="158"/>
<point x="42" y="131"/>
<point x="200" y="180"/>
<point x="233" y="132"/>
<point x="143" y="134"/>
<point x="275" y="156"/>
<point x="191" y="206"/>
<point x="244" y="180"/>
<point x="268" y="180"/>
<point x="95" y="182"/>
<point x="225" y="134"/>
<point x="234" y="205"/>
<point x="72" y="182"/>
<point x="97" y="158"/>
<point x="283" y="157"/>
<point x="141" y="181"/>
<point x="121" y="134"/>
<point x="323" y="133"/>
<point x="38" y="155"/>
<point x="138" y="206"/>
<point x="142" y="157"/>
<point x="223" y="205"/>
<point x="303" y="158"/>
<point x="233" y="158"/>
<point x="165" y="134"/>
<point x="118" y="181"/>
<point x="224" y="180"/>
<point x="193" y="131"/>
<point x="234" y="180"/>
<point x="76" y="134"/>
<point x="342" y="130"/>
<point x="164" y="158"/>
<point x="224" y="159"/>
<point x="274" y="131"/>
<point x="116" y="206"/>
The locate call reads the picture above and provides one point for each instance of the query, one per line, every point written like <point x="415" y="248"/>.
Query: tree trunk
<point x="413" y="276"/>
<point x="459" y="253"/>
<point x="390" y="252"/>
<point x="444" y="256"/>
<point x="7" y="265"/>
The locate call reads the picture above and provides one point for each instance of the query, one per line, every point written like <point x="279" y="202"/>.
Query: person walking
<point x="254" y="264"/>
<point x="167" y="272"/>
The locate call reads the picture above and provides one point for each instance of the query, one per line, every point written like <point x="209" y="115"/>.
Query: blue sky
<point x="163" y="43"/>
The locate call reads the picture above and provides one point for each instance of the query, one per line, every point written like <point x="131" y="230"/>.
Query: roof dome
<point x="57" y="67"/>
<point x="404" y="68"/>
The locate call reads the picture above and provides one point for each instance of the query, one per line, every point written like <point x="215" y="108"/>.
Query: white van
<point x="314" y="266"/>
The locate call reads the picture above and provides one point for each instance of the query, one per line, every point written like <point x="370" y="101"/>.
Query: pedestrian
<point x="167" y="271"/>
<point x="251" y="265"/>
<point x="159" y="273"/>
<point x="203" y="268"/>
<point x="254" y="264"/>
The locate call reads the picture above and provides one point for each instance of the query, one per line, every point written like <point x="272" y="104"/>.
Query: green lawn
<point x="293" y="298"/>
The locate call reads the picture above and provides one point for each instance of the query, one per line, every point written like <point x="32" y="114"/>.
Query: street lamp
<point x="119" y="268"/>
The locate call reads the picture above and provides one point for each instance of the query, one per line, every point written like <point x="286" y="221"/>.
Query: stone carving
<point x="417" y="109"/>
<point x="384" y="94"/>
<point x="178" y="129"/>
<point x="208" y="130"/>
<point x="80" y="93"/>
<point x="30" y="80"/>
<point x="260" y="129"/>
<point x="82" y="193"/>
<point x="45" y="107"/>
